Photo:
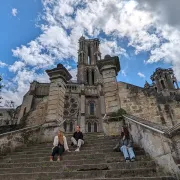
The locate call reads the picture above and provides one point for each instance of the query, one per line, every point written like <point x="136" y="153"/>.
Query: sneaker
<point x="58" y="159"/>
<point x="68" y="150"/>
<point x="133" y="159"/>
<point x="77" y="150"/>
<point x="51" y="159"/>
<point x="127" y="160"/>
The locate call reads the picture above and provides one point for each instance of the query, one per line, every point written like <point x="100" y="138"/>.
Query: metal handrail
<point x="144" y="125"/>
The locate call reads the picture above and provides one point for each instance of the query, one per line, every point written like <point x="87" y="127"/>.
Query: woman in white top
<point x="60" y="145"/>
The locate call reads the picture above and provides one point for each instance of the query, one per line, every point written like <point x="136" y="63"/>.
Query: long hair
<point x="60" y="137"/>
<point x="125" y="133"/>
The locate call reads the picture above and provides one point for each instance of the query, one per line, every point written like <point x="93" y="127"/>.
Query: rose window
<point x="70" y="106"/>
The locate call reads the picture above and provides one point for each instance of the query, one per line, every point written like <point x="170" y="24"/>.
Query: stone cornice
<point x="109" y="63"/>
<point x="59" y="72"/>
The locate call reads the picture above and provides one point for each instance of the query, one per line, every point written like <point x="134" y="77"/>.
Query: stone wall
<point x="159" y="147"/>
<point x="38" y="116"/>
<point x="26" y="106"/>
<point x="112" y="128"/>
<point x="10" y="142"/>
<point x="139" y="102"/>
<point x="6" y="117"/>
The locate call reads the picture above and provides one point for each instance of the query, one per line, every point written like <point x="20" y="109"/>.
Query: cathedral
<point x="97" y="92"/>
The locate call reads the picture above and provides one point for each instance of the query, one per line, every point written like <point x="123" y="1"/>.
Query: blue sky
<point x="36" y="35"/>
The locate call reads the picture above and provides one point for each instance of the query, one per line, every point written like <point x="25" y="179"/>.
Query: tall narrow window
<point x="95" y="127"/>
<point x="65" y="126"/>
<point x="89" y="127"/>
<point x="163" y="85"/>
<point x="93" y="77"/>
<point x="88" y="60"/>
<point x="87" y="76"/>
<point x="91" y="108"/>
<point x="71" y="127"/>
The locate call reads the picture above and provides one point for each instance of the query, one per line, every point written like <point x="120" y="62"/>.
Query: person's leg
<point x="125" y="152"/>
<point x="131" y="153"/>
<point x="60" y="152"/>
<point x="80" y="143"/>
<point x="66" y="145"/>
<point x="73" y="140"/>
<point x="54" y="152"/>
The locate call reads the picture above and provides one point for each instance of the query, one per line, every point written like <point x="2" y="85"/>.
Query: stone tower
<point x="164" y="81"/>
<point x="92" y="105"/>
<point x="88" y="54"/>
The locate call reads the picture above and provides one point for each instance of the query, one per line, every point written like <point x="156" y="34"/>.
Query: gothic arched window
<point x="89" y="127"/>
<point x="91" y="106"/>
<point x="87" y="76"/>
<point x="93" y="77"/>
<point x="65" y="126"/>
<point x="71" y="127"/>
<point x="95" y="127"/>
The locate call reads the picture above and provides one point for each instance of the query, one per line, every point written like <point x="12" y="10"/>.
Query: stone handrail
<point x="162" y="146"/>
<point x="20" y="130"/>
<point x="144" y="125"/>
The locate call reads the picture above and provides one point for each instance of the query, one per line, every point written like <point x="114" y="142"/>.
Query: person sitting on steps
<point x="77" y="139"/>
<point x="126" y="145"/>
<point x="60" y="145"/>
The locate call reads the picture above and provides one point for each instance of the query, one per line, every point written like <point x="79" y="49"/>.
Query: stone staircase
<point x="96" y="160"/>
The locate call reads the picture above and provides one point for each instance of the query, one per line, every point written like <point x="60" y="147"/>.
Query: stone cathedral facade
<point x="97" y="92"/>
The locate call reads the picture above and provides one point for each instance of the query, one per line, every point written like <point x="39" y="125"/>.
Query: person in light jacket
<point x="125" y="145"/>
<point x="60" y="145"/>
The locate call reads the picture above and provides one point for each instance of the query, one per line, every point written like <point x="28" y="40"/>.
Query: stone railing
<point x="160" y="143"/>
<point x="14" y="140"/>
<point x="91" y="90"/>
<point x="73" y="88"/>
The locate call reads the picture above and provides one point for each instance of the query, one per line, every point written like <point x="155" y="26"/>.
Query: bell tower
<point x="88" y="54"/>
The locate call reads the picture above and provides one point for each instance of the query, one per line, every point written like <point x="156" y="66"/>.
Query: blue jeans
<point x="127" y="152"/>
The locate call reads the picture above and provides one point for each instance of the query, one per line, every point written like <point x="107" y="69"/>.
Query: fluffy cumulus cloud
<point x="147" y="25"/>
<point x="14" y="11"/>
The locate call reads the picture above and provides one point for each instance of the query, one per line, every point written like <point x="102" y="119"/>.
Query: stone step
<point x="83" y="149"/>
<point x="86" y="146"/>
<point x="121" y="173"/>
<point x="129" y="178"/>
<point x="79" y="164"/>
<point x="72" y="153"/>
<point x="85" y="167"/>
<point x="115" y="157"/>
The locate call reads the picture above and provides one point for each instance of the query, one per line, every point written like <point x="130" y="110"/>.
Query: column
<point x="109" y="69"/>
<point x="83" y="105"/>
<point x="54" y="119"/>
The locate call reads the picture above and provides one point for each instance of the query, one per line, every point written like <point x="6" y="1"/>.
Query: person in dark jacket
<point x="126" y="145"/>
<point x="77" y="139"/>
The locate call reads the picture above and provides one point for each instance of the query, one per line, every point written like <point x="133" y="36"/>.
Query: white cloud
<point x="2" y="64"/>
<point x="123" y="72"/>
<point x="14" y="11"/>
<point x="141" y="75"/>
<point x="18" y="65"/>
<point x="66" y="21"/>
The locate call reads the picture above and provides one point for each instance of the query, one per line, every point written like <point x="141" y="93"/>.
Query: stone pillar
<point x="83" y="105"/>
<point x="58" y="77"/>
<point x="109" y="67"/>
